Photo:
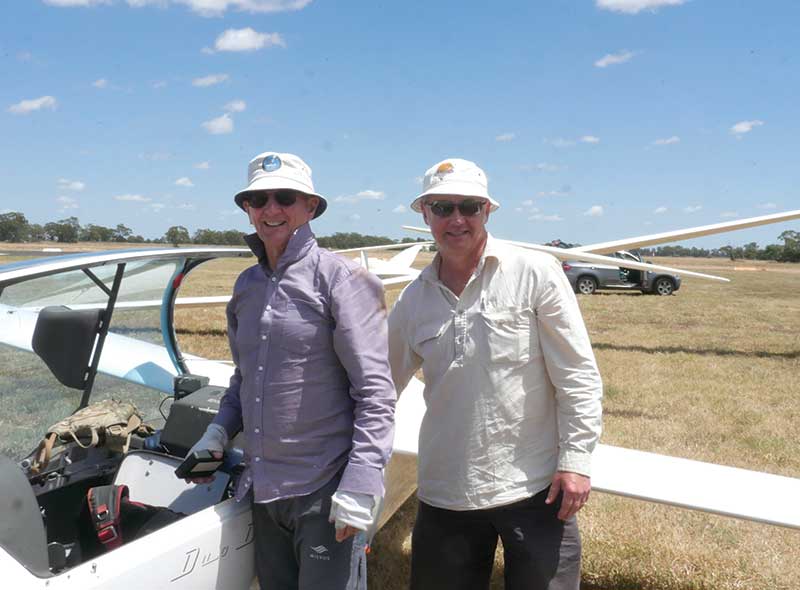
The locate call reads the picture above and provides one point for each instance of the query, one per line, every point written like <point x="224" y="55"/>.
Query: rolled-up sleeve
<point x="572" y="369"/>
<point x="361" y="343"/>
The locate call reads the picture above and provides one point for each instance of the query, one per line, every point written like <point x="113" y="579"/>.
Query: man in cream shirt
<point x="513" y="398"/>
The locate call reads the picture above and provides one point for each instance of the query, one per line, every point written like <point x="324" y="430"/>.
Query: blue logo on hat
<point x="271" y="163"/>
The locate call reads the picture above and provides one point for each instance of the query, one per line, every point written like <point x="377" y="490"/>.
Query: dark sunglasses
<point x="284" y="198"/>
<point x="467" y="207"/>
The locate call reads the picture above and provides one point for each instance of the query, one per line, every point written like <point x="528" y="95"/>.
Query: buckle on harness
<point x="108" y="534"/>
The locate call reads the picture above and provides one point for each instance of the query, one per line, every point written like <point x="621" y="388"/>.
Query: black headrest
<point x="64" y="339"/>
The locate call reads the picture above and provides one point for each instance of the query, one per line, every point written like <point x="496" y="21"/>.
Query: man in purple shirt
<point x="312" y="391"/>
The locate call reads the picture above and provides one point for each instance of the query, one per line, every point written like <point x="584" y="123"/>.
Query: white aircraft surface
<point x="41" y="543"/>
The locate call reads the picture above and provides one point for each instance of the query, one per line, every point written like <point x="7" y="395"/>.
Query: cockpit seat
<point x="22" y="530"/>
<point x="151" y="480"/>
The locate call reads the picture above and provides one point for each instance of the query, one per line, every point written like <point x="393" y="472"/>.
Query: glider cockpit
<point x="77" y="329"/>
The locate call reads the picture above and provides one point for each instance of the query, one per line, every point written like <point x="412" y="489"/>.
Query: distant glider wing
<point x="685" y="234"/>
<point x="573" y="254"/>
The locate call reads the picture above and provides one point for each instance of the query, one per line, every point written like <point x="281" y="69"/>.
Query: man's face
<point x="460" y="232"/>
<point x="276" y="220"/>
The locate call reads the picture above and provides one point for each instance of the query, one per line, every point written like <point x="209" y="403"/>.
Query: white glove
<point x="352" y="509"/>
<point x="214" y="439"/>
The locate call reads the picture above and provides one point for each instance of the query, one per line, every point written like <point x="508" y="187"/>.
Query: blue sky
<point x="594" y="119"/>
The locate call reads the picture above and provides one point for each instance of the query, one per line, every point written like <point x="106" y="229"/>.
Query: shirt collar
<point x="299" y="245"/>
<point x="492" y="249"/>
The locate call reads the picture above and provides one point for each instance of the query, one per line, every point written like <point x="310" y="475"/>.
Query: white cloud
<point x="218" y="7"/>
<point x="71" y="3"/>
<point x="400" y="209"/>
<point x="660" y="210"/>
<point x="159" y="84"/>
<point x="141" y="3"/>
<point x="24" y="56"/>
<point x="561" y="142"/>
<point x="527" y="203"/>
<point x="541" y="217"/>
<point x="70" y="185"/>
<point x="767" y="206"/>
<point x="612" y="59"/>
<point x="133" y="198"/>
<point x="594" y="211"/>
<point x="635" y="6"/>
<point x="33" y="104"/>
<point x="247" y="39"/>
<point x="210" y="80"/>
<point x="692" y="208"/>
<point x="203" y="165"/>
<point x="184" y="181"/>
<point x="354" y="217"/>
<point x="505" y="137"/>
<point x="235" y="106"/>
<point x="743" y="127"/>
<point x="156" y="207"/>
<point x="186" y="207"/>
<point x="365" y="195"/>
<point x="542" y="167"/>
<point x="564" y="191"/>
<point x="728" y="214"/>
<point x="667" y="140"/>
<point x="220" y="125"/>
<point x="100" y="83"/>
<point x="67" y="203"/>
<point x="202" y="7"/>
<point x="156" y="156"/>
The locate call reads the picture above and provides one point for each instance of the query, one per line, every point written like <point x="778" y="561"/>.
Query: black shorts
<point x="454" y="549"/>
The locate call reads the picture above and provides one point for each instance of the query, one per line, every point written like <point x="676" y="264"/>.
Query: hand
<point x="351" y="512"/>
<point x="214" y="439"/>
<point x="344" y="533"/>
<point x="576" y="488"/>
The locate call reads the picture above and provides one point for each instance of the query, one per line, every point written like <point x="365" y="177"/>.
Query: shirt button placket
<point x="263" y="355"/>
<point x="459" y="328"/>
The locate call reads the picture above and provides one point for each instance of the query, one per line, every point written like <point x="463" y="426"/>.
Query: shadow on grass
<point x="206" y="332"/>
<point x="699" y="351"/>
<point x="633" y="582"/>
<point x="631" y="414"/>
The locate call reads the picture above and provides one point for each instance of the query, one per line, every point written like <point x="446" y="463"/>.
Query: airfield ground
<point x="710" y="373"/>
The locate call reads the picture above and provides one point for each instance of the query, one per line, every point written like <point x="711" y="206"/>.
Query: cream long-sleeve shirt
<point x="511" y="383"/>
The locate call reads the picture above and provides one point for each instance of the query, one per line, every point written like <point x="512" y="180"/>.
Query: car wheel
<point x="586" y="285"/>
<point x="663" y="286"/>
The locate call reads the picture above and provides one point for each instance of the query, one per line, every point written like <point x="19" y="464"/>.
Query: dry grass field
<point x="710" y="374"/>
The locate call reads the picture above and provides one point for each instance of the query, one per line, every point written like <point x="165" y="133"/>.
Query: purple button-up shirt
<point x="312" y="390"/>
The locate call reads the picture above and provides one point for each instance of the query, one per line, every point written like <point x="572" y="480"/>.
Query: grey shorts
<point x="296" y="548"/>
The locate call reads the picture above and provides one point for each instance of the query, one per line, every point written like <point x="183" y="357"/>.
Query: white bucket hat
<point x="273" y="170"/>
<point x="455" y="177"/>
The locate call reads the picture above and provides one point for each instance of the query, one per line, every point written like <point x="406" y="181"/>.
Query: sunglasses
<point x="284" y="198"/>
<point x="467" y="207"/>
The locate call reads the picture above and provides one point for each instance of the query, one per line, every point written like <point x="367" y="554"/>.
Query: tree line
<point x="14" y="227"/>
<point x="788" y="251"/>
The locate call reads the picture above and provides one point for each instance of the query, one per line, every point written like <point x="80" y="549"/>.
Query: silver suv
<point x="587" y="278"/>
